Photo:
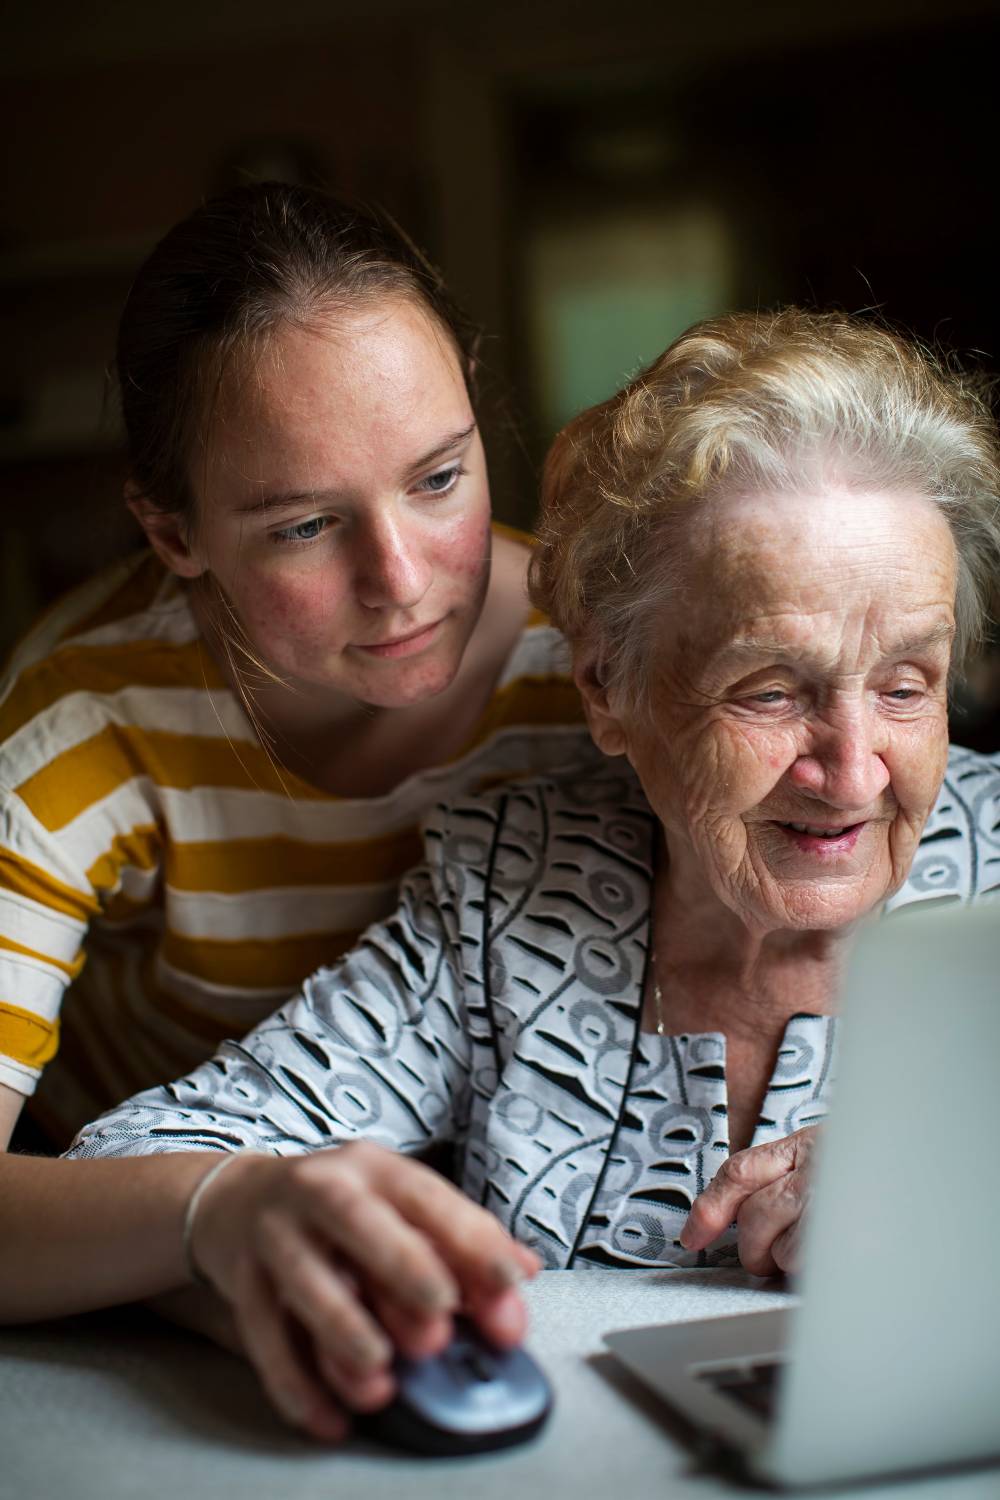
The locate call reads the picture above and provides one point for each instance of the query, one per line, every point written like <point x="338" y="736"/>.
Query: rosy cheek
<point x="299" y="607"/>
<point x="464" y="551"/>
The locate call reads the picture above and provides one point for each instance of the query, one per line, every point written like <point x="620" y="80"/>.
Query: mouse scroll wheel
<point x="479" y="1365"/>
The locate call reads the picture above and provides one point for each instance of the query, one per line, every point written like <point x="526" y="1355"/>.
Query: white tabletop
<point x="120" y="1405"/>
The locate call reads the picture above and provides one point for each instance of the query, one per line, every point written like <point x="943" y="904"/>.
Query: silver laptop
<point x="890" y="1360"/>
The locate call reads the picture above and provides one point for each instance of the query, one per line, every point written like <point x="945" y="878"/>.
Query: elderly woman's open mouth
<point x="822" y="838"/>
<point x="833" y="846"/>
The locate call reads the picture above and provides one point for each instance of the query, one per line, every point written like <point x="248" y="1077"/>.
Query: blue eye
<point x="443" y="481"/>
<point x="303" y="531"/>
<point x="775" y="695"/>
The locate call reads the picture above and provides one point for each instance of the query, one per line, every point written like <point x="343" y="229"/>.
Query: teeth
<point x="818" y="833"/>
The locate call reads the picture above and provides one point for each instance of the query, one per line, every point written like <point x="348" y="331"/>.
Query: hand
<point x="334" y="1260"/>
<point x="766" y="1190"/>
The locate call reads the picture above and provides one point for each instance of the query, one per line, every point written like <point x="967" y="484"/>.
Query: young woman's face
<point x="343" y="505"/>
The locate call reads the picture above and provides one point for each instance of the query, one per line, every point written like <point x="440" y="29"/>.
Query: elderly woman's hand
<point x="766" y="1190"/>
<point x="332" y="1261"/>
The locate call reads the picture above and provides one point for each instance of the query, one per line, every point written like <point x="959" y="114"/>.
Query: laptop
<point x="889" y="1360"/>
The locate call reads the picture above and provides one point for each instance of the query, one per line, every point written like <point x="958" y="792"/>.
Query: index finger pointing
<point x="739" y="1177"/>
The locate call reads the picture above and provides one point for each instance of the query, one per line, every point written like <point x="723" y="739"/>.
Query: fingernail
<point x="436" y="1298"/>
<point x="369" y="1354"/>
<point x="507" y="1272"/>
<point x="508" y="1317"/>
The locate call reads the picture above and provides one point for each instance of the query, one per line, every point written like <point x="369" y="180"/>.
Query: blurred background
<point x="590" y="178"/>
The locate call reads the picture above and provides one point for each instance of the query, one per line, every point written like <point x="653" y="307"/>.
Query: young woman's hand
<point x="334" y="1260"/>
<point x="766" y="1190"/>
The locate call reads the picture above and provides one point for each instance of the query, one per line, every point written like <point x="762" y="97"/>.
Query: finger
<point x="741" y="1174"/>
<point x="368" y="1392"/>
<point x="764" y="1217"/>
<point x="385" y="1251"/>
<point x="292" y="1388"/>
<point x="358" y="1393"/>
<point x="471" y="1240"/>
<point x="503" y="1318"/>
<point x="415" y="1336"/>
<point x="787" y="1248"/>
<point x="323" y="1300"/>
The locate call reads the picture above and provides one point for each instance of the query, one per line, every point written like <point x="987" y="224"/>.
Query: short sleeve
<point x="376" y="1046"/>
<point x="46" y="904"/>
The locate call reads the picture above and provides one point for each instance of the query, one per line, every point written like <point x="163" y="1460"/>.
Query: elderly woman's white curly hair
<point x="789" y="402"/>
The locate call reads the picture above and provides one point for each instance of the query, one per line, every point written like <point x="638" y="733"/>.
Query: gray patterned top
<point x="498" y="1010"/>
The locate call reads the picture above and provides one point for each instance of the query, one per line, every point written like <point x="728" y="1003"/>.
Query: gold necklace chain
<point x="657" y="997"/>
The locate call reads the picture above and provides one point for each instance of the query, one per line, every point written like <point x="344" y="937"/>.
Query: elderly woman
<point x="616" y="996"/>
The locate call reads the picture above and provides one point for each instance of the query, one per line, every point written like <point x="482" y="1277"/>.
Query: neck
<point x="717" y="973"/>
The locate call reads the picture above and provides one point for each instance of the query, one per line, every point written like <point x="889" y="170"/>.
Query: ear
<point x="472" y="359"/>
<point x="166" y="534"/>
<point x="605" y="726"/>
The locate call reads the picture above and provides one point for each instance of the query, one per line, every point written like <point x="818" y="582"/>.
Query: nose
<point x="391" y="570"/>
<point x="844" y="763"/>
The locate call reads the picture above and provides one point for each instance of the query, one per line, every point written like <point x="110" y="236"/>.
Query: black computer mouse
<point x="468" y="1399"/>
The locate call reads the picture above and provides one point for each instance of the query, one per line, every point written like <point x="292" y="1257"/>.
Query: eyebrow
<point x="283" y="499"/>
<point x="434" y="454"/>
<point x="752" y="647"/>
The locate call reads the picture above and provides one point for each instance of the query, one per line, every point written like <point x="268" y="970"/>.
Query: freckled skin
<point x="784" y="694"/>
<point x="341" y="410"/>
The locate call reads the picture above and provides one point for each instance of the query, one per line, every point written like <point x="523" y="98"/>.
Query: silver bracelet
<point x="190" y="1212"/>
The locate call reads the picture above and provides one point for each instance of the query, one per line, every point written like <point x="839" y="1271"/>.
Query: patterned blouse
<point x="499" y="1011"/>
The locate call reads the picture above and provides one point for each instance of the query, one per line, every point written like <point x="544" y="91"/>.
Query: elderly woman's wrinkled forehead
<point x="840" y="574"/>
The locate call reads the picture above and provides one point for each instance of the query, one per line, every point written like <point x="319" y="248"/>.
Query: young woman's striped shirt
<point x="159" y="874"/>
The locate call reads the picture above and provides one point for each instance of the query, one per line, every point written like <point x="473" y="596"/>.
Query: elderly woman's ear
<point x="603" y="722"/>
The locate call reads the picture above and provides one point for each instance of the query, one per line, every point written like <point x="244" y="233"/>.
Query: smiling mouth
<point x="812" y="837"/>
<point x="814" y="832"/>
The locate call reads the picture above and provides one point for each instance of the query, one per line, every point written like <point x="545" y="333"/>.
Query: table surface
<point x="120" y="1405"/>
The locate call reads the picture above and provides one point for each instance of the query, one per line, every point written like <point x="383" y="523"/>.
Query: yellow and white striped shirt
<point x="146" y="830"/>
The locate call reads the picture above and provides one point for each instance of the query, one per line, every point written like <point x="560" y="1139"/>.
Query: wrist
<point x="198" y="1208"/>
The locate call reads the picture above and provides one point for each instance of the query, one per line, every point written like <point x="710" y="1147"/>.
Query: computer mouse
<point x="468" y="1399"/>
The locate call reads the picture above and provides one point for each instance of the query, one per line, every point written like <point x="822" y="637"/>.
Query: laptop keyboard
<point x="754" y="1386"/>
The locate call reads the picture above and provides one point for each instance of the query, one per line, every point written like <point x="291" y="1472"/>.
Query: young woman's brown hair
<point x="223" y="279"/>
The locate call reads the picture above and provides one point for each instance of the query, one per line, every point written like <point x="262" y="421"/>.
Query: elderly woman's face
<point x="799" y="722"/>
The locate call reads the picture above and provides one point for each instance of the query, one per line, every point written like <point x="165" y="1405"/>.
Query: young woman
<point x="214" y="757"/>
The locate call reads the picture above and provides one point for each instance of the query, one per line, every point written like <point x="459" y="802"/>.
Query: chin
<point x="811" y="910"/>
<point x="408" y="691"/>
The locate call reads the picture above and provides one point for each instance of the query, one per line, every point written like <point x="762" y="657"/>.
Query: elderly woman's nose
<point x="390" y="568"/>
<point x="844" y="764"/>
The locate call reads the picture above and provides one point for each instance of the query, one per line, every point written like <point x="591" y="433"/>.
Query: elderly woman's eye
<point x="773" y="695"/>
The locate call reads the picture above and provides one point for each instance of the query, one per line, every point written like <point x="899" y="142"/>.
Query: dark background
<point x="589" y="177"/>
